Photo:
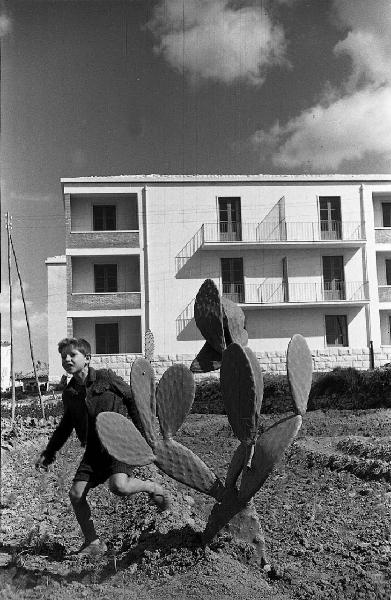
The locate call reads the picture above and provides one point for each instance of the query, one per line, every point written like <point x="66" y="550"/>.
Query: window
<point x="336" y="330"/>
<point x="388" y="271"/>
<point x="330" y="217"/>
<point x="106" y="338"/>
<point x="105" y="277"/>
<point x="232" y="278"/>
<point x="104" y="218"/>
<point x="230" y="222"/>
<point x="386" y="208"/>
<point x="333" y="278"/>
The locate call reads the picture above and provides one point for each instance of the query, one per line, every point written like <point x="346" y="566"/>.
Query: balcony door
<point x="330" y="217"/>
<point x="230" y="223"/>
<point x="333" y="278"/>
<point x="232" y="279"/>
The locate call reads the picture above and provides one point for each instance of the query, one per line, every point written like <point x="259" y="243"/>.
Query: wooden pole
<point x="8" y="225"/>
<point x="28" y="330"/>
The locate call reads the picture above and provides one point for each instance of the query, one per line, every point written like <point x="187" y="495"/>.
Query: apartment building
<point x="307" y="254"/>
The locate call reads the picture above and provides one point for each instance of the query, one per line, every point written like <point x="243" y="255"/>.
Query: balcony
<point x="272" y="234"/>
<point x="383" y="235"/>
<point x="104" y="301"/>
<point x="103" y="239"/>
<point x="384" y="293"/>
<point x="285" y="295"/>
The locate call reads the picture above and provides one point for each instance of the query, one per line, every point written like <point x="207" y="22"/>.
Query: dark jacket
<point x="103" y="391"/>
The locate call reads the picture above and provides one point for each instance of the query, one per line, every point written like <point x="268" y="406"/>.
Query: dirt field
<point x="326" y="513"/>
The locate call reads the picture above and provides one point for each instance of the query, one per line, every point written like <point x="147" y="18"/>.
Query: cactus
<point x="149" y="342"/>
<point x="221" y="322"/>
<point x="223" y="326"/>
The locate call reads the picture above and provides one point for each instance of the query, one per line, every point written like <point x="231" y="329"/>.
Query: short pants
<point x="97" y="466"/>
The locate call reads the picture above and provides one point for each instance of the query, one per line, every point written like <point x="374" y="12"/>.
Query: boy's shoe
<point x="94" y="548"/>
<point x="160" y="497"/>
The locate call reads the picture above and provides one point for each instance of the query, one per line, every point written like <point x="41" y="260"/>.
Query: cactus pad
<point x="299" y="369"/>
<point x="236" y="466"/>
<point x="174" y="396"/>
<point x="142" y="382"/>
<point x="208" y="315"/>
<point x="238" y="390"/>
<point x="149" y="343"/>
<point x="233" y="322"/>
<point x="258" y="377"/>
<point x="182" y="464"/>
<point x="269" y="448"/>
<point x="123" y="440"/>
<point x="208" y="359"/>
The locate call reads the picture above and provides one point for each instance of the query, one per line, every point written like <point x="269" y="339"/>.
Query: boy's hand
<point x="42" y="462"/>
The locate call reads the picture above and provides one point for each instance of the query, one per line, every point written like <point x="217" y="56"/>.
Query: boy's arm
<point x="57" y="440"/>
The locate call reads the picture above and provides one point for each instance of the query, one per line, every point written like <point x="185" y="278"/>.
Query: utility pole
<point x="28" y="329"/>
<point x="8" y="225"/>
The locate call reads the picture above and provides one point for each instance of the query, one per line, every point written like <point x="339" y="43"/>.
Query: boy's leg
<point x="122" y="484"/>
<point x="78" y="496"/>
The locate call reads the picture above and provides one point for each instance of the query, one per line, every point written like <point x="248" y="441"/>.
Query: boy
<point x="88" y="393"/>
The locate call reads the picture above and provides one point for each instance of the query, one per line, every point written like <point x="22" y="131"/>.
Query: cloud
<point x="211" y="39"/>
<point x="355" y="120"/>
<point x="5" y="25"/>
<point x="322" y="137"/>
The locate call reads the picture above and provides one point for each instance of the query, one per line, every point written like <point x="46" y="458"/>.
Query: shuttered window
<point x="104" y="217"/>
<point x="105" y="278"/>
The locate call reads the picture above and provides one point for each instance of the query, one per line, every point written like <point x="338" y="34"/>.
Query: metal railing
<point x="185" y="317"/>
<point x="297" y="292"/>
<point x="286" y="293"/>
<point x="269" y="232"/>
<point x="189" y="249"/>
<point x="282" y="231"/>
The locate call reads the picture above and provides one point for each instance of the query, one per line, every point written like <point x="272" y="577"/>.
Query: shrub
<point x="208" y="398"/>
<point x="351" y="389"/>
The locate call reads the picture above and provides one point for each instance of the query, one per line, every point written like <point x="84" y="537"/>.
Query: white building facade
<point x="304" y="254"/>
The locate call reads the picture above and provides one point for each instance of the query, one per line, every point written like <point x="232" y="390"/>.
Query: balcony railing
<point x="285" y="293"/>
<point x="296" y="292"/>
<point x="282" y="231"/>
<point x="384" y="293"/>
<point x="185" y="317"/>
<point x="107" y="301"/>
<point x="269" y="232"/>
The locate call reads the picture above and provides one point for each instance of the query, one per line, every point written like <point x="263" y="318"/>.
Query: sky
<point x="110" y="87"/>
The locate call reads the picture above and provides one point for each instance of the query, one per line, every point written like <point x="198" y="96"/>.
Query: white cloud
<point x="210" y="39"/>
<point x="5" y="24"/>
<point x="322" y="137"/>
<point x="356" y="122"/>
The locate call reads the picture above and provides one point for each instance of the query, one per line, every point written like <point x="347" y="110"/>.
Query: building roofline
<point x="155" y="178"/>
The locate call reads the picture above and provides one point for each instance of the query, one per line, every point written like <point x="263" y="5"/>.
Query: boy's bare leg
<point x="122" y="484"/>
<point x="78" y="496"/>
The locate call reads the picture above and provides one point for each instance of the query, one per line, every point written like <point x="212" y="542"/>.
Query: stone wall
<point x="271" y="362"/>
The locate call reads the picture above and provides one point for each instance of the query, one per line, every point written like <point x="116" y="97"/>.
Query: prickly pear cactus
<point x="222" y="324"/>
<point x="149" y="342"/>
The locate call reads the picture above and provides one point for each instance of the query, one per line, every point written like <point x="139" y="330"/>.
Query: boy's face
<point x="74" y="361"/>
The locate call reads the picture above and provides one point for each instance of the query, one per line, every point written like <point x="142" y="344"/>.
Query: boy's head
<point x="75" y="354"/>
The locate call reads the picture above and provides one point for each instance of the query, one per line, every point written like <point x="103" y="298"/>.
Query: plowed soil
<point x="327" y="522"/>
